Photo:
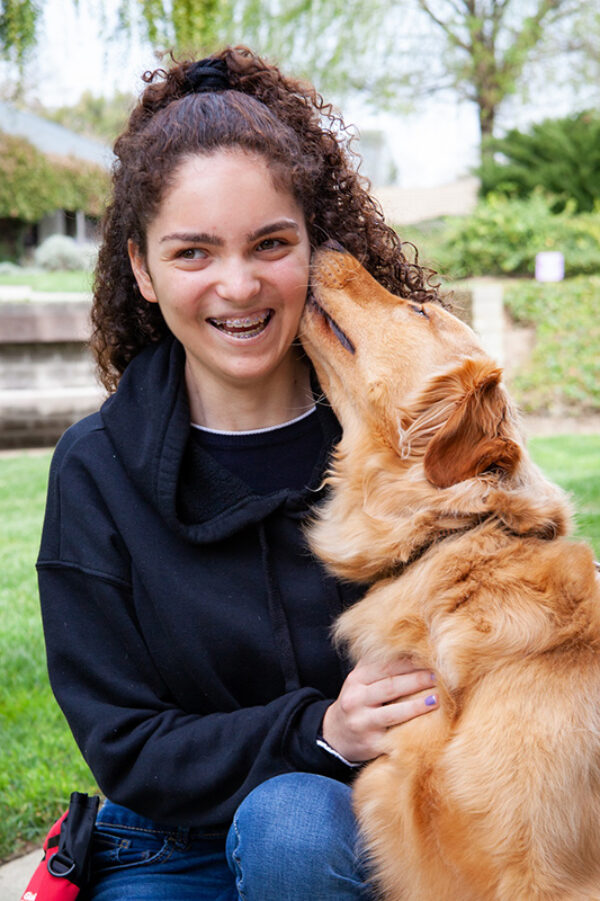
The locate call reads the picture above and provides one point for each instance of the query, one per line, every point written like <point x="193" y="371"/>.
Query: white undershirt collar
<point x="269" y="428"/>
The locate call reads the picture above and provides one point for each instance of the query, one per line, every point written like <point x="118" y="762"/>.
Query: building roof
<point x="51" y="138"/>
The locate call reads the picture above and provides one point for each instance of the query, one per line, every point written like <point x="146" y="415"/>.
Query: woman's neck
<point x="256" y="405"/>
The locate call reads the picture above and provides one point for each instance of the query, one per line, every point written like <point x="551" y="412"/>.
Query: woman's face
<point x="227" y="261"/>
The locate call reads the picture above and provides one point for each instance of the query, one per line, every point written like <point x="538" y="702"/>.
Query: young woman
<point x="187" y="624"/>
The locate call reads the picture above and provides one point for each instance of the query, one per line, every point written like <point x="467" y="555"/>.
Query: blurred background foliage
<point x="33" y="184"/>
<point x="502" y="236"/>
<point x="391" y="54"/>
<point x="558" y="156"/>
<point x="560" y="376"/>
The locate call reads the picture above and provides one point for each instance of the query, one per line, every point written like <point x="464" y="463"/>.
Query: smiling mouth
<point x="337" y="331"/>
<point x="244" y="327"/>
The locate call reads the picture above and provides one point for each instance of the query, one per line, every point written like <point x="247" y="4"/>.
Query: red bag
<point x="64" y="868"/>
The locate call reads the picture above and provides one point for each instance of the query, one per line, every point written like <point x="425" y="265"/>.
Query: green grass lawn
<point x="79" y="280"/>
<point x="39" y="763"/>
<point x="573" y="461"/>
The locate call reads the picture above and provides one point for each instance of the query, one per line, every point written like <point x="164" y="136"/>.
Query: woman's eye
<point x="191" y="253"/>
<point x="270" y="244"/>
<point x="419" y="309"/>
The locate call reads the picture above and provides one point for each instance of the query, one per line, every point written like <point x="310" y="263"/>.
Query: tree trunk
<point x="487" y="117"/>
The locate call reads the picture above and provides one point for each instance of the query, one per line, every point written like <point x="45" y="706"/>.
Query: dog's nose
<point x="332" y="244"/>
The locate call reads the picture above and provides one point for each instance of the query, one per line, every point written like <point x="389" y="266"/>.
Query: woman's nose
<point x="237" y="282"/>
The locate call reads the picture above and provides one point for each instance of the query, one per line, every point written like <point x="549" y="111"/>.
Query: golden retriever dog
<point x="435" y="503"/>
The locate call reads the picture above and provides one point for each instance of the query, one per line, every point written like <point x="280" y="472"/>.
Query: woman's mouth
<point x="243" y="327"/>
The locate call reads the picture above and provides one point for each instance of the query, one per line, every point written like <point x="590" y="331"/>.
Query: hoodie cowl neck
<point x="148" y="423"/>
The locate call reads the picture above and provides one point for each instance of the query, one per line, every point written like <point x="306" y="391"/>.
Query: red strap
<point x="43" y="886"/>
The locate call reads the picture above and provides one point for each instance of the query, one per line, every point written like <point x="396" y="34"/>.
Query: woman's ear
<point x="140" y="271"/>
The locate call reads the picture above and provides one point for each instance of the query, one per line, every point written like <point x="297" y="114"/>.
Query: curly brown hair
<point x="307" y="148"/>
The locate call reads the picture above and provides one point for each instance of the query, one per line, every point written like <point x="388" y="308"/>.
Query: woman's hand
<point x="372" y="699"/>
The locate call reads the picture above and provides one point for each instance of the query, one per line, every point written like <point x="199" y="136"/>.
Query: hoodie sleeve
<point x="174" y="767"/>
<point x="147" y="753"/>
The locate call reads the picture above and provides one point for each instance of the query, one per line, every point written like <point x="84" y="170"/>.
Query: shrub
<point x="8" y="268"/>
<point x="62" y="252"/>
<point x="561" y="376"/>
<point x="560" y="156"/>
<point x="32" y="184"/>
<point x="503" y="236"/>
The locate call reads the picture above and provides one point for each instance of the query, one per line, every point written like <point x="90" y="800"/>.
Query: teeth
<point x="245" y="327"/>
<point x="248" y="322"/>
<point x="246" y="333"/>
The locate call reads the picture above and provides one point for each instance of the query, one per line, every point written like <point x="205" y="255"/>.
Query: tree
<point x="390" y="53"/>
<point x="488" y="44"/>
<point x="387" y="49"/>
<point x="102" y="118"/>
<point x="18" y="29"/>
<point x="559" y="156"/>
<point x="184" y="24"/>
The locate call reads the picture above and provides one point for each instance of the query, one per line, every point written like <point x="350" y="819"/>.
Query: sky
<point x="73" y="57"/>
<point x="433" y="147"/>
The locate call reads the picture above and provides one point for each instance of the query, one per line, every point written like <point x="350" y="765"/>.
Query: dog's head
<point x="430" y="437"/>
<point x="412" y="374"/>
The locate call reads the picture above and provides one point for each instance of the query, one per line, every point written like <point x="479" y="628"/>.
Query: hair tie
<point x="207" y="75"/>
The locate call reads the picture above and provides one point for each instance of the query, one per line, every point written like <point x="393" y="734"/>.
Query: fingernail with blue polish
<point x="430" y="700"/>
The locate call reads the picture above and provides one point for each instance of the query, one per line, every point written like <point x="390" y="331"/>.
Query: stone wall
<point x="47" y="379"/>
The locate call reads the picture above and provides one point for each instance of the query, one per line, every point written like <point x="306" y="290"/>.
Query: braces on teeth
<point x="251" y="325"/>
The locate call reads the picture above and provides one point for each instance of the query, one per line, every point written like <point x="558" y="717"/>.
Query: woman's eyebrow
<point x="273" y="227"/>
<point x="193" y="238"/>
<point x="214" y="240"/>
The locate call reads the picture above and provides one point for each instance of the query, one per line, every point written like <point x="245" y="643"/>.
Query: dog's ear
<point x="474" y="439"/>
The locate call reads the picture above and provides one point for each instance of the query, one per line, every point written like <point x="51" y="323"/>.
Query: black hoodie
<point x="191" y="658"/>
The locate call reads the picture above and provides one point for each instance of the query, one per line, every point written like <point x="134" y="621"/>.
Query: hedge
<point x="33" y="184"/>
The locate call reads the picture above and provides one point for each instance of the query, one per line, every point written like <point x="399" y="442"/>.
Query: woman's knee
<point x="298" y="808"/>
<point x="296" y="829"/>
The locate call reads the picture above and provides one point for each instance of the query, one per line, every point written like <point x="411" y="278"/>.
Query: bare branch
<point x="454" y="38"/>
<point x="455" y="7"/>
<point x="527" y="37"/>
<point x="498" y="10"/>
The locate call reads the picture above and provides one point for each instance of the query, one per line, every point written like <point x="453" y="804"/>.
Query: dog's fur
<point x="435" y="501"/>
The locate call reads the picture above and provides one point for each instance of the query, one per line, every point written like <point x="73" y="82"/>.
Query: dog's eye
<point x="419" y="309"/>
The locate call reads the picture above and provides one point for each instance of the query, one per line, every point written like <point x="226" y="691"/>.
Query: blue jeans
<point x="293" y="838"/>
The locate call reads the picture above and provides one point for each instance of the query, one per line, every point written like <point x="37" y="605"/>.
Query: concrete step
<point x="15" y="875"/>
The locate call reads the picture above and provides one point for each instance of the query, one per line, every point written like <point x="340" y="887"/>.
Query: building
<point x="65" y="148"/>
